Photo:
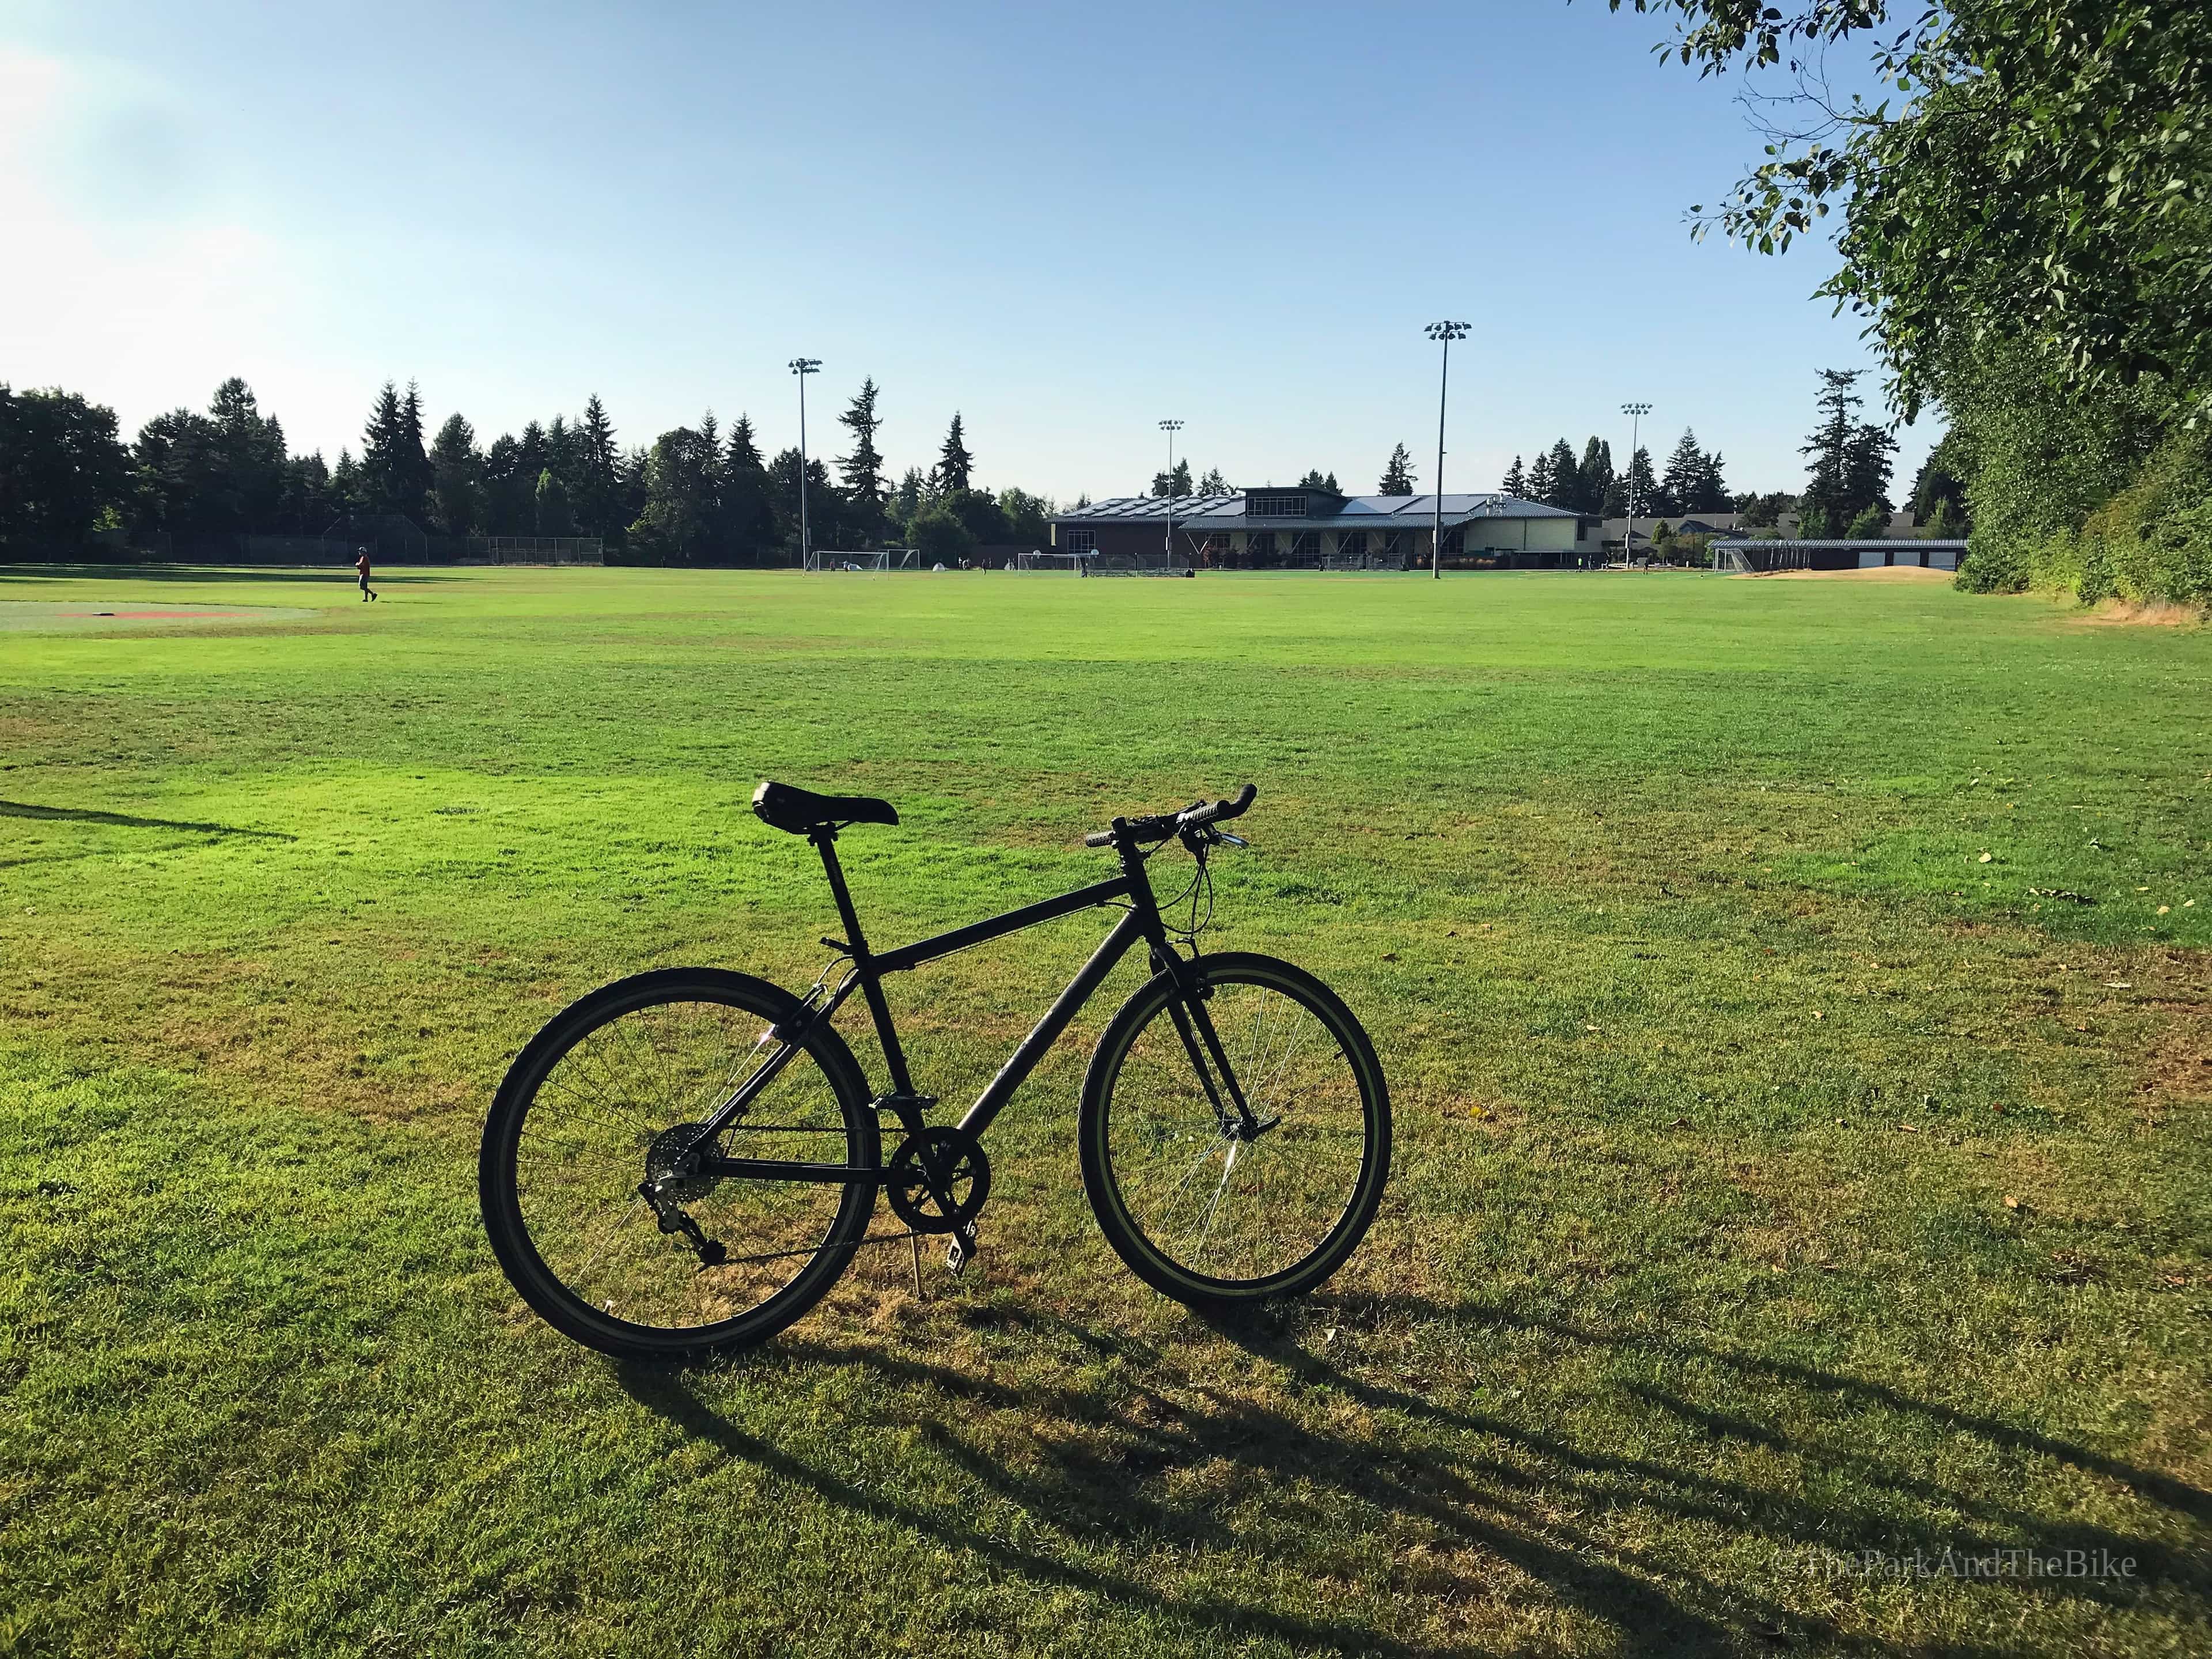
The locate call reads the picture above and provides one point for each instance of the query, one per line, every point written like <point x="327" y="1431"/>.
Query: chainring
<point x="938" y="1179"/>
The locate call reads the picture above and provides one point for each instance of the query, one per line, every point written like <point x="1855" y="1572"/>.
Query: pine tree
<point x="1566" y="491"/>
<point x="1540" y="478"/>
<point x="864" y="467"/>
<point x="746" y="507"/>
<point x="410" y="461"/>
<point x="1678" y="486"/>
<point x="954" y="463"/>
<point x="1516" y="483"/>
<point x="1829" y="445"/>
<point x="1397" y="473"/>
<point x="456" y="476"/>
<point x="1213" y="483"/>
<point x="597" y="486"/>
<point x="379" y="443"/>
<point x="1639" y="487"/>
<point x="1178" y="483"/>
<point x="553" y="514"/>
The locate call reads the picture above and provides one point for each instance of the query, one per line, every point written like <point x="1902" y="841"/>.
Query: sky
<point x="1067" y="221"/>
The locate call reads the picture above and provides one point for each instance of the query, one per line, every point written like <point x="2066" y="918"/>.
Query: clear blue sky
<point x="1064" y="220"/>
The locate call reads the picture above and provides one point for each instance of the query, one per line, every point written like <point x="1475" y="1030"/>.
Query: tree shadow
<point x="16" y="809"/>
<point x="1529" y="1496"/>
<point x="336" y="575"/>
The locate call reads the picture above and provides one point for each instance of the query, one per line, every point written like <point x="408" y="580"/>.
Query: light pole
<point x="803" y="366"/>
<point x="1445" y="333"/>
<point x="1635" y="412"/>
<point x="1170" y="427"/>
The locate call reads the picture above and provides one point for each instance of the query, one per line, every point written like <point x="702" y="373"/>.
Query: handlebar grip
<point x="1222" y="809"/>
<point x="1100" y="838"/>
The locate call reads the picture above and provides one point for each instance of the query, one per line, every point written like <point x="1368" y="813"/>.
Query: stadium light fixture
<point x="1445" y="333"/>
<point x="1635" y="412"/>
<point x="803" y="366"/>
<point x="1170" y="427"/>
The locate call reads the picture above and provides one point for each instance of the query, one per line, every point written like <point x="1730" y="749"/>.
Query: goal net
<point x="881" y="558"/>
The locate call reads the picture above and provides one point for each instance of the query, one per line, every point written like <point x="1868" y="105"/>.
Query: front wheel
<point x="1204" y="1204"/>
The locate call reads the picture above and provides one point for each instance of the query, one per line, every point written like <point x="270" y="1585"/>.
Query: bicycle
<point x="684" y="1161"/>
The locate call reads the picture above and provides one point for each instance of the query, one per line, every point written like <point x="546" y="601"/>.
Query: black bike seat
<point x="801" y="811"/>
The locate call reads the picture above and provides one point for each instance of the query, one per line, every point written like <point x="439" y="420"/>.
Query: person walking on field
<point x="361" y="567"/>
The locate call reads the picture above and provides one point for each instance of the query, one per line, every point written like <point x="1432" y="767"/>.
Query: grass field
<point x="1796" y="998"/>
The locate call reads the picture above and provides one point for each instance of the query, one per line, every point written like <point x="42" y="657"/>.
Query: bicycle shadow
<point x="1481" y="1481"/>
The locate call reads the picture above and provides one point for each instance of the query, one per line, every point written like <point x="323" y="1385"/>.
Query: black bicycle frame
<point x="1142" y="923"/>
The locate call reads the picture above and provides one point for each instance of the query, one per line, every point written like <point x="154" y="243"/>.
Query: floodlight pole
<point x="803" y="366"/>
<point x="1445" y="332"/>
<point x="1635" y="412"/>
<point x="1170" y="427"/>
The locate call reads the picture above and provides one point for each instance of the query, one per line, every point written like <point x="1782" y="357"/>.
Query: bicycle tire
<point x="1112" y="1152"/>
<point x="572" y="1311"/>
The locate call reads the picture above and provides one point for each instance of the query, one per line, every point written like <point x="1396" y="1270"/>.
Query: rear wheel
<point x="1200" y="1208"/>
<point x="608" y="1099"/>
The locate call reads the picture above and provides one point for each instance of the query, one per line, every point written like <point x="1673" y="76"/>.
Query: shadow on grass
<point x="16" y="809"/>
<point x="1465" y="1477"/>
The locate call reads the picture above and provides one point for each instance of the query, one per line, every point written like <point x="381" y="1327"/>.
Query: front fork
<point x="1194" y="1025"/>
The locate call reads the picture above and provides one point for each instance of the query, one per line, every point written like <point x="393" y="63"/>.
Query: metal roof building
<point x="1298" y="527"/>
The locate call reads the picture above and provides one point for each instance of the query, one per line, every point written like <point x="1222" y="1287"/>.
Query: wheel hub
<point x="672" y="1164"/>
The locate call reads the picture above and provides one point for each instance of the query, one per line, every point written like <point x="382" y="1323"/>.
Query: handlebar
<point x="1160" y="825"/>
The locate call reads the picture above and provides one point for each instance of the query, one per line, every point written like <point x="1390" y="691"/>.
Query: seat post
<point x="825" y="837"/>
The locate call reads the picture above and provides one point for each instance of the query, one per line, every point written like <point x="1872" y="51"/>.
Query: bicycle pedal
<point x="961" y="1251"/>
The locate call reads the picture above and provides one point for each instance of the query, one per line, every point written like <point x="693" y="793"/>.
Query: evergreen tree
<point x="1397" y="473"/>
<point x="827" y="511"/>
<point x="954" y="463"/>
<point x="410" y="461"/>
<point x="1641" y="485"/>
<point x="1712" y="486"/>
<point x="1028" y="518"/>
<point x="914" y="492"/>
<point x="1515" y="483"/>
<point x="1213" y="483"/>
<point x="864" y="467"/>
<point x="1179" y="484"/>
<point x="1566" y="491"/>
<point x="1316" y="479"/>
<point x="1540" y="478"/>
<point x="457" y="473"/>
<point x="1851" y="458"/>
<point x="597" y="486"/>
<point x="1597" y="475"/>
<point x="1682" y="482"/>
<point x="554" y="517"/>
<point x="249" y="455"/>
<point x="308" y="504"/>
<point x="63" y="470"/>
<point x="746" y="509"/>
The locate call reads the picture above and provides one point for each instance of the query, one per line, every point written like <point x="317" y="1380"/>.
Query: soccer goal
<point x="1067" y="564"/>
<point x="881" y="558"/>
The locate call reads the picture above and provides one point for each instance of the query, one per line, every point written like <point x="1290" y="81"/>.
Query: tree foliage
<point x="2041" y="173"/>
<point x="63" y="469"/>
<point x="1397" y="473"/>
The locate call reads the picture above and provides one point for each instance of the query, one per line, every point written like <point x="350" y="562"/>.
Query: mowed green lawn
<point x="1794" y="995"/>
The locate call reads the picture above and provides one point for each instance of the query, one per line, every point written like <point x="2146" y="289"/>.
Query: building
<point x="1293" y="528"/>
<point x="1782" y="553"/>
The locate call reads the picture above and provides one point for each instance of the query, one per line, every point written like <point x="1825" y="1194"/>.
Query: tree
<point x="553" y="516"/>
<point x="1566" y="478"/>
<point x="63" y="469"/>
<point x="457" y="475"/>
<point x="954" y="463"/>
<point x="825" y="506"/>
<point x="1940" y="480"/>
<point x="864" y="467"/>
<point x="597" y="483"/>
<point x="1596" y="474"/>
<point x="939" y="535"/>
<point x="1214" y="484"/>
<point x="748" y="529"/>
<point x="1028" y="518"/>
<point x="1871" y="525"/>
<point x="1683" y="484"/>
<point x="2043" y="176"/>
<point x="249" y="455"/>
<point x="1540" y="478"/>
<point x="1641" y="485"/>
<point x="1178" y="483"/>
<point x="1516" y="483"/>
<point x="1850" y="459"/>
<point x="1397" y="473"/>
<point x="1315" y="480"/>
<point x="395" y="469"/>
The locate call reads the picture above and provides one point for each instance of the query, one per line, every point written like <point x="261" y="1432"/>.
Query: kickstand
<point x="916" y="1240"/>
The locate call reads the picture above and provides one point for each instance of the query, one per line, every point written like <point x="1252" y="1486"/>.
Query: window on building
<point x="1351" y="544"/>
<point x="1277" y="507"/>
<point x="1260" y="545"/>
<point x="1305" y="546"/>
<point x="1393" y="544"/>
<point x="1216" y="548"/>
<point x="1078" y="541"/>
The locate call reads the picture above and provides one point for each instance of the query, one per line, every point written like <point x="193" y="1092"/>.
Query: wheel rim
<point x="1221" y="1210"/>
<point x="604" y="1119"/>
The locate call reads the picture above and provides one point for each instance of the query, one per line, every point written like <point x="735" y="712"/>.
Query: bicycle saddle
<point x="799" y="811"/>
